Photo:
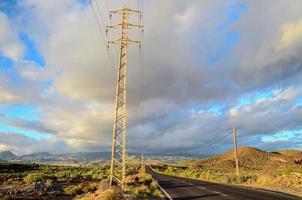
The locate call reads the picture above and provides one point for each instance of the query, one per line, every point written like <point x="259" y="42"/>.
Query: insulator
<point x="110" y="16"/>
<point x="140" y="46"/>
<point x="106" y="31"/>
<point x="108" y="47"/>
<point x="142" y="31"/>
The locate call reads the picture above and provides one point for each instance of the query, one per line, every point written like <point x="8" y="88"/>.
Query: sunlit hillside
<point x="277" y="170"/>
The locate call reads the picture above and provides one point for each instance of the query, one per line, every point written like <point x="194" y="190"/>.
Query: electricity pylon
<point x="235" y="150"/>
<point x="118" y="158"/>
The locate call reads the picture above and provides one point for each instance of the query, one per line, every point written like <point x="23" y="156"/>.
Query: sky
<point x="204" y="66"/>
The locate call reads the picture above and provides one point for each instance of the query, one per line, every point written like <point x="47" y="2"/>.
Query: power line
<point x="100" y="13"/>
<point x="98" y="8"/>
<point x="107" y="6"/>
<point x="102" y="34"/>
<point x="216" y="141"/>
<point x="97" y="22"/>
<point x="112" y="32"/>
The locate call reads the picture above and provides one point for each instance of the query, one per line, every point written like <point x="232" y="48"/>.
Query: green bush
<point x="144" y="178"/>
<point x="74" y="190"/>
<point x="286" y="171"/>
<point x="90" y="188"/>
<point x="248" y="179"/>
<point x="36" y="177"/>
<point x="142" y="191"/>
<point x="169" y="171"/>
<point x="112" y="195"/>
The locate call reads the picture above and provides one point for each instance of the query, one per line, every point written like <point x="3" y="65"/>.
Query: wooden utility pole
<point x="118" y="158"/>
<point x="235" y="150"/>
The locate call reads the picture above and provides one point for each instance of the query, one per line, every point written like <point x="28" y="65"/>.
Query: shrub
<point x="35" y="177"/>
<point x="32" y="178"/>
<point x="112" y="194"/>
<point x="90" y="188"/>
<point x="247" y="179"/>
<point x="142" y="191"/>
<point x="5" y="198"/>
<point x="74" y="190"/>
<point x="169" y="171"/>
<point x="76" y="177"/>
<point x="144" y="178"/>
<point x="86" y="198"/>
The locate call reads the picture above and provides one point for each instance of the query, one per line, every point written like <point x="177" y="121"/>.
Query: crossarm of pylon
<point x="118" y="41"/>
<point x="134" y="11"/>
<point x="135" y="26"/>
<point x="129" y="25"/>
<point x="115" y="26"/>
<point x="129" y="41"/>
<point x="119" y="11"/>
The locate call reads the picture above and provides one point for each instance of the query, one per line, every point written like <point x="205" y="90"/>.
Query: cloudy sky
<point x="205" y="65"/>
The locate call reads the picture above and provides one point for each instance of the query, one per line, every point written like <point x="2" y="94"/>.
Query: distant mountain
<point x="87" y="156"/>
<point x="45" y="157"/>
<point x="38" y="155"/>
<point x="7" y="155"/>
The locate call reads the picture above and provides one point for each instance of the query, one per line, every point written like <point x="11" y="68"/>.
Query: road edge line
<point x="162" y="189"/>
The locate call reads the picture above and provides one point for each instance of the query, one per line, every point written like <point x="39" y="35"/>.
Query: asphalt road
<point x="183" y="188"/>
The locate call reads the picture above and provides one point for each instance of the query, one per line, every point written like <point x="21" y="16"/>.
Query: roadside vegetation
<point x="269" y="170"/>
<point x="31" y="181"/>
<point x="139" y="186"/>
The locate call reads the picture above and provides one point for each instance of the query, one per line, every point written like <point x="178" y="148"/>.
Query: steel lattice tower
<point x="118" y="158"/>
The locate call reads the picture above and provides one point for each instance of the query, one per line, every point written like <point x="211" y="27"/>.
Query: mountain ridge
<point x="7" y="155"/>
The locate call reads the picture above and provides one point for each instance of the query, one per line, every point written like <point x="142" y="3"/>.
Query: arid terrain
<point x="277" y="170"/>
<point x="32" y="181"/>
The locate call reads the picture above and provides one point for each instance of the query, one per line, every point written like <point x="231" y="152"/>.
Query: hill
<point x="245" y="152"/>
<point x="277" y="170"/>
<point x="250" y="158"/>
<point x="7" y="155"/>
<point x="291" y="153"/>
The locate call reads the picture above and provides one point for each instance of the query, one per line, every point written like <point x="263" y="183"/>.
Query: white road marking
<point x="202" y="187"/>
<point x="164" y="191"/>
<point x="187" y="183"/>
<point x="225" y="195"/>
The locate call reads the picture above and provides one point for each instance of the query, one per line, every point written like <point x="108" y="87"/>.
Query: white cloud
<point x="291" y="35"/>
<point x="78" y="105"/>
<point x="10" y="46"/>
<point x="21" y="144"/>
<point x="7" y="95"/>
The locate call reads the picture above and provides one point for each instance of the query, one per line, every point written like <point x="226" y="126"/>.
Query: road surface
<point x="179" y="188"/>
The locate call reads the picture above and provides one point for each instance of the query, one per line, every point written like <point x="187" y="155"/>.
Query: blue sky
<point x="28" y="112"/>
<point x="219" y="78"/>
<point x="32" y="53"/>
